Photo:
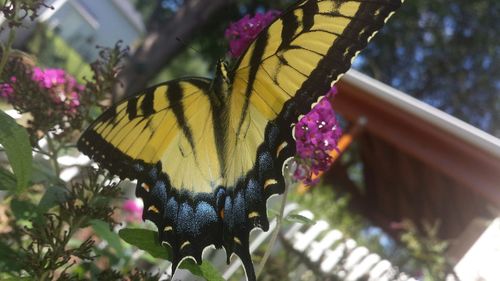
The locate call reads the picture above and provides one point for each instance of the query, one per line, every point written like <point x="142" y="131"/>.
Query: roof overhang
<point x="445" y="143"/>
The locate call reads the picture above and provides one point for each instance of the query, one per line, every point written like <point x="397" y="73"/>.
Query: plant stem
<point x="6" y="48"/>
<point x="274" y="236"/>
<point x="44" y="276"/>
<point x="53" y="155"/>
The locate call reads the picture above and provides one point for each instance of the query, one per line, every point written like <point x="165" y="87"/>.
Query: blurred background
<point x="417" y="183"/>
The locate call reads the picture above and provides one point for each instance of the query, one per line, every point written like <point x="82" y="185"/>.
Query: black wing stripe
<point x="132" y="108"/>
<point x="174" y="96"/>
<point x="262" y="97"/>
<point x="138" y="124"/>
<point x="310" y="9"/>
<point x="290" y="26"/>
<point x="277" y="84"/>
<point x="109" y="115"/>
<point x="113" y="131"/>
<point x="286" y="63"/>
<point x="147" y="105"/>
<point x="200" y="84"/>
<point x="255" y="59"/>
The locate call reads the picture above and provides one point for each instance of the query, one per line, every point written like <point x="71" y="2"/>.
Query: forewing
<point x="168" y="126"/>
<point x="299" y="56"/>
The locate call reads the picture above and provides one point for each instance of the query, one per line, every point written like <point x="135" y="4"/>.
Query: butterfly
<point x="208" y="153"/>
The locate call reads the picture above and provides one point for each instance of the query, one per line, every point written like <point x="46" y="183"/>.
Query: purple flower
<point x="316" y="135"/>
<point x="241" y="33"/>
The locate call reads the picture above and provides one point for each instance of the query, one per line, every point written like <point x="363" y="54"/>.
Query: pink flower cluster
<point x="63" y="87"/>
<point x="133" y="210"/>
<point x="316" y="134"/>
<point x="241" y="33"/>
<point x="6" y="90"/>
<point x="49" y="77"/>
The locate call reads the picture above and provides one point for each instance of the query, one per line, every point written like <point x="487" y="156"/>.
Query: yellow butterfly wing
<point x="299" y="55"/>
<point x="170" y="123"/>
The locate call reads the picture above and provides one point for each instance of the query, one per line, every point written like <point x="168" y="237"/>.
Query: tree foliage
<point x="446" y="54"/>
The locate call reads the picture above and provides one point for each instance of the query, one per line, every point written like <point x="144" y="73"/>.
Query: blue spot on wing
<point x="159" y="191"/>
<point x="265" y="163"/>
<point x="171" y="209"/>
<point x="239" y="209"/>
<point x="228" y="212"/>
<point x="253" y="192"/>
<point x="205" y="213"/>
<point x="205" y="217"/>
<point x="138" y="167"/>
<point x="186" y="217"/>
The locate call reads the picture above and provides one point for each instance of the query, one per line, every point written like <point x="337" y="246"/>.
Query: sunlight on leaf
<point x="7" y="180"/>
<point x="300" y="219"/>
<point x="146" y="240"/>
<point x="205" y="270"/>
<point x="102" y="230"/>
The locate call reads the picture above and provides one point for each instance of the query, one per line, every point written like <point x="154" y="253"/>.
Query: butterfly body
<point x="207" y="154"/>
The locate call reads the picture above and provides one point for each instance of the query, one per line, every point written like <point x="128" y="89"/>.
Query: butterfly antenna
<point x="180" y="40"/>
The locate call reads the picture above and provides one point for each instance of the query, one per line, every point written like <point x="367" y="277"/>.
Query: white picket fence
<point x="323" y="246"/>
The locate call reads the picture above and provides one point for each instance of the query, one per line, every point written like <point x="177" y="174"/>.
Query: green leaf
<point x="300" y="219"/>
<point x="94" y="112"/>
<point x="23" y="209"/>
<point x="42" y="172"/>
<point x="146" y="240"/>
<point x="7" y="180"/>
<point x="205" y="270"/>
<point x="101" y="228"/>
<point x="53" y="196"/>
<point x="9" y="259"/>
<point x="15" y="140"/>
<point x="272" y="212"/>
